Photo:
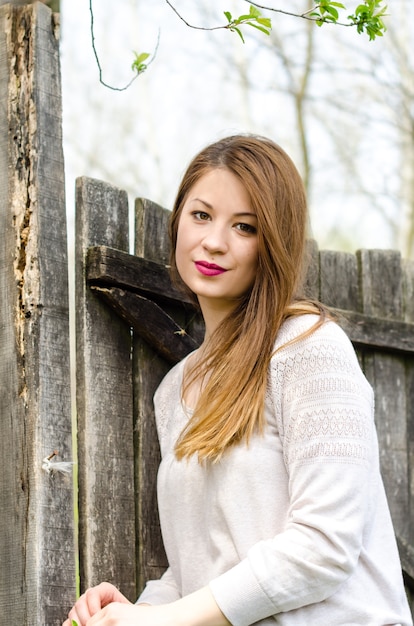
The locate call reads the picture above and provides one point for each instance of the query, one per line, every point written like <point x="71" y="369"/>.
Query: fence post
<point x="339" y="280"/>
<point x="311" y="278"/>
<point x="381" y="278"/>
<point x="104" y="402"/>
<point x="151" y="242"/>
<point x="408" y="289"/>
<point x="37" y="573"/>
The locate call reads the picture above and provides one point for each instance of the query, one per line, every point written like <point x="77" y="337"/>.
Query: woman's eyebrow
<point x="210" y="206"/>
<point x="207" y="204"/>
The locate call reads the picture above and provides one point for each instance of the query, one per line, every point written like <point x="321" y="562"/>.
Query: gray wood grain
<point x="104" y="403"/>
<point x="37" y="573"/>
<point x="151" y="243"/>
<point x="311" y="283"/>
<point x="106" y="267"/>
<point x="150" y="322"/>
<point x="382" y="295"/>
<point x="339" y="280"/>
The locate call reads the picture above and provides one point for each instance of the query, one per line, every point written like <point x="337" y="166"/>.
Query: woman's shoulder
<point x="316" y="354"/>
<point x="307" y="329"/>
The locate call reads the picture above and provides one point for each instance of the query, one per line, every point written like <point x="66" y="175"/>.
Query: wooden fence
<point x="37" y="568"/>
<point x="131" y="325"/>
<point x="371" y="292"/>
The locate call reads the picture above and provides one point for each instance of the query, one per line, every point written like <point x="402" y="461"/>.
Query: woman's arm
<point x="324" y="408"/>
<point x="161" y="591"/>
<point x="196" y="609"/>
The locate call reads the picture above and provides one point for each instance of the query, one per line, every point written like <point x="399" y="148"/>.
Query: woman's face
<point x="217" y="250"/>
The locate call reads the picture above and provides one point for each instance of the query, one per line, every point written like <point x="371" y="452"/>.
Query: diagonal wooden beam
<point x="150" y="321"/>
<point x="109" y="267"/>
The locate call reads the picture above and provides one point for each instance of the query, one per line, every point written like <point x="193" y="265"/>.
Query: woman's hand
<point x="92" y="601"/>
<point x="104" y="605"/>
<point x="119" y="614"/>
<point x="116" y="613"/>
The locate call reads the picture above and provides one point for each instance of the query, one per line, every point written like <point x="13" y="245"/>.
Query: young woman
<point x="271" y="502"/>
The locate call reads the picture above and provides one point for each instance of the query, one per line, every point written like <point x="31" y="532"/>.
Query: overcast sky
<point x="142" y="138"/>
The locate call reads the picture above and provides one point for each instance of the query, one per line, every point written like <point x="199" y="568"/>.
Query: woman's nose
<point x="215" y="240"/>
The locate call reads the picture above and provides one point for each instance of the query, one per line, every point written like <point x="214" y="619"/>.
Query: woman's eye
<point x="200" y="215"/>
<point x="246" y="228"/>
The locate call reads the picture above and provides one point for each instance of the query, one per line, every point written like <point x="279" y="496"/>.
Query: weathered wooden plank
<point x="311" y="282"/>
<point x="152" y="219"/>
<point x="339" y="288"/>
<point x="150" y="321"/>
<point x="408" y="282"/>
<point x="104" y="403"/>
<point x="375" y="333"/>
<point x="408" y="289"/>
<point x="339" y="280"/>
<point x="149" y="368"/>
<point x="407" y="559"/>
<point x="381" y="280"/>
<point x="107" y="266"/>
<point x="410" y="446"/>
<point x="381" y="276"/>
<point x="37" y="573"/>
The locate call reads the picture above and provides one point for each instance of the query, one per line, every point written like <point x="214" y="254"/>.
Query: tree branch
<point x="138" y="72"/>
<point x="192" y="25"/>
<point x="368" y="19"/>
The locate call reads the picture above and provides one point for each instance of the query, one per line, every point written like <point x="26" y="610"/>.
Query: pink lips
<point x="209" y="269"/>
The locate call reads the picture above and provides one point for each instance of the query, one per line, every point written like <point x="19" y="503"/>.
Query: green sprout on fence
<point x="253" y="18"/>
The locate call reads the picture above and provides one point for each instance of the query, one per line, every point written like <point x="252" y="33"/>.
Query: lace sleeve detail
<point x="323" y="403"/>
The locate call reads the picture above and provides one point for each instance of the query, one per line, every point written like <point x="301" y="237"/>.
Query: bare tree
<point x="380" y="115"/>
<point x="341" y="105"/>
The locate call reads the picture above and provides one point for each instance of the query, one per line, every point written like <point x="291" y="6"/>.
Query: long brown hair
<point x="234" y="371"/>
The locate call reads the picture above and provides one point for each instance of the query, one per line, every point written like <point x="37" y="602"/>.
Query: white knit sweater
<point x="294" y="529"/>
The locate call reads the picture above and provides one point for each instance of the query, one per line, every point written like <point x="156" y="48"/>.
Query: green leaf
<point x="361" y="8"/>
<point x="238" y="31"/>
<point x="333" y="12"/>
<point x="74" y="623"/>
<point x="265" y="21"/>
<point x="140" y="58"/>
<point x="138" y="64"/>
<point x="228" y="15"/>
<point x="242" y="18"/>
<point x="261" y="28"/>
<point x="254" y="11"/>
